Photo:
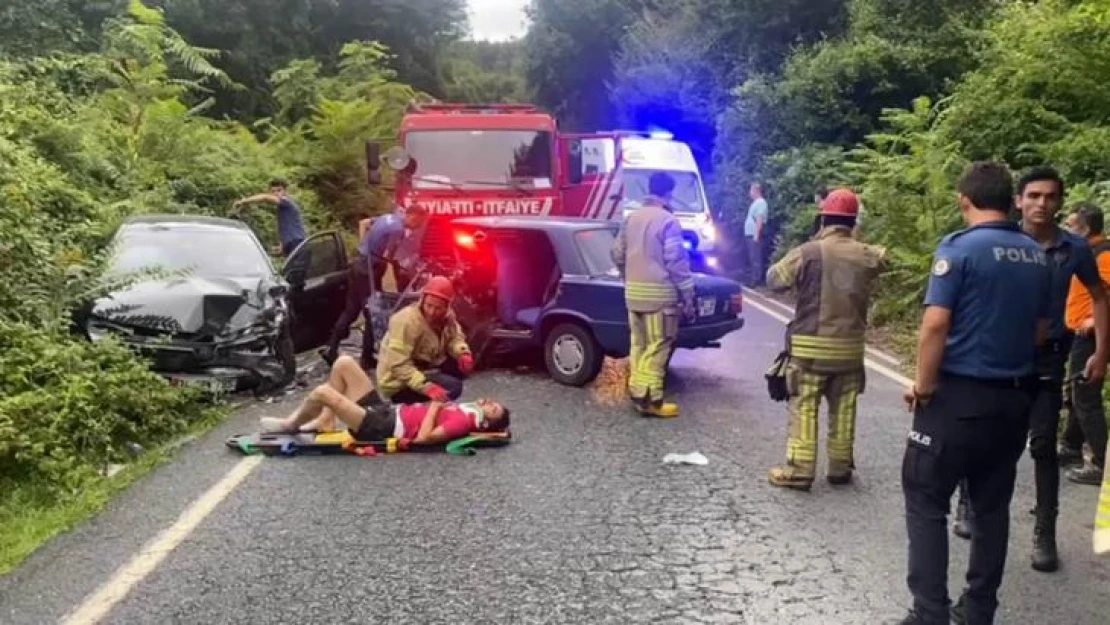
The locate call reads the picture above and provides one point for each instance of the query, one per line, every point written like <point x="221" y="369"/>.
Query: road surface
<point x="578" y="521"/>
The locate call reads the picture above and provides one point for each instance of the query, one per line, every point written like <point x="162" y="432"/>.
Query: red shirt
<point x="455" y="421"/>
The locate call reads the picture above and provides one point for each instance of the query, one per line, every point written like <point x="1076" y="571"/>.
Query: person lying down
<point x="348" y="396"/>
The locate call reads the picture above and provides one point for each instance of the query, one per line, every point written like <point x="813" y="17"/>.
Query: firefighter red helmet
<point x="440" y="287"/>
<point x="840" y="203"/>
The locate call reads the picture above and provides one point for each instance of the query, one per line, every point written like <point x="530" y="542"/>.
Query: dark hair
<point x="1037" y="174"/>
<point x="988" y="186"/>
<point x="1091" y="216"/>
<point x="822" y="192"/>
<point x="660" y="184"/>
<point x="838" y="220"/>
<point x="502" y="424"/>
<point x="278" y="182"/>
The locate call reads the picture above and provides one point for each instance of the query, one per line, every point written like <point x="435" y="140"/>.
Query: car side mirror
<point x="297" y="277"/>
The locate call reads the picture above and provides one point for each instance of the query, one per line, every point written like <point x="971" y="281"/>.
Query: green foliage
<point x="485" y="72"/>
<point x="335" y="115"/>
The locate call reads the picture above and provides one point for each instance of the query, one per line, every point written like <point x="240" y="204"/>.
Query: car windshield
<point x="205" y="252"/>
<point x="686" y="198"/>
<point x="480" y="158"/>
<point x="596" y="246"/>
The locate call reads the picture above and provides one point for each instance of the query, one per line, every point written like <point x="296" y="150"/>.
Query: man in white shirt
<point x="754" y="231"/>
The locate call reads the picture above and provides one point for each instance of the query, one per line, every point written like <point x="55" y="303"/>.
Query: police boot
<point x="961" y="526"/>
<point x="797" y="476"/>
<point x="1045" y="559"/>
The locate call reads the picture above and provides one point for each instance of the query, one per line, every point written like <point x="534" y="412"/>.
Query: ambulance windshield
<point x="687" y="196"/>
<point x="516" y="159"/>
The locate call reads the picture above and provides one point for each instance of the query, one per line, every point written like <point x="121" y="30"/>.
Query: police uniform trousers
<point x="807" y="387"/>
<point x="975" y="430"/>
<point x="652" y="343"/>
<point x="1045" y="423"/>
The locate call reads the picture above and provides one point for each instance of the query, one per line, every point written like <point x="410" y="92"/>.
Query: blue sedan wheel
<point x="572" y="354"/>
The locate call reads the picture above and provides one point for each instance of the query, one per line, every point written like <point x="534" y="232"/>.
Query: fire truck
<point x="474" y="160"/>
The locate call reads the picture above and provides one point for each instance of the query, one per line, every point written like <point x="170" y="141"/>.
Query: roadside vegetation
<point x="116" y="107"/>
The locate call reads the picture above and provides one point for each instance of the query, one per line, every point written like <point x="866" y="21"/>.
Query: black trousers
<point x="449" y="377"/>
<point x="1086" y="400"/>
<point x="1044" y="423"/>
<point x="973" y="430"/>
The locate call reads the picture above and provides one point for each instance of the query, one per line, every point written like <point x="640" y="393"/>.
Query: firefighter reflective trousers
<point x="806" y="390"/>
<point x="653" y="339"/>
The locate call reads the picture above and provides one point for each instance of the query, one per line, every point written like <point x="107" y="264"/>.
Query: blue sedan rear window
<point x="596" y="247"/>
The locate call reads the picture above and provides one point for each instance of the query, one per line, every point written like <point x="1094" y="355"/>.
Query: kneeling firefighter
<point x="833" y="277"/>
<point x="423" y="336"/>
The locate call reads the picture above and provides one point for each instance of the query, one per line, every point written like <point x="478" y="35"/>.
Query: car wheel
<point x="572" y="354"/>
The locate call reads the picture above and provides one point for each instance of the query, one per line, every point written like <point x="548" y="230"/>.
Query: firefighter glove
<point x="436" y="392"/>
<point x="466" y="363"/>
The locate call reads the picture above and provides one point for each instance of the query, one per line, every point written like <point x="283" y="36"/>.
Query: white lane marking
<point x="871" y="364"/>
<point x="97" y="605"/>
<point x="767" y="301"/>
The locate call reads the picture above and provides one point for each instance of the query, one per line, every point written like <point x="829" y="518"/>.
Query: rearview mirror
<point x="396" y="158"/>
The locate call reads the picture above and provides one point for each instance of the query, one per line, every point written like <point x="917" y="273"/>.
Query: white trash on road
<point x="694" y="458"/>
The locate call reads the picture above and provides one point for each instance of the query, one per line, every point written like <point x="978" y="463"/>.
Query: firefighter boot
<point x="839" y="473"/>
<point x="1045" y="558"/>
<point x="798" y="476"/>
<point x="658" y="408"/>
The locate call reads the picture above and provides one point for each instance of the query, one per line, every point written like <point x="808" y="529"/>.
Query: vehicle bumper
<point x="221" y="369"/>
<point x="704" y="335"/>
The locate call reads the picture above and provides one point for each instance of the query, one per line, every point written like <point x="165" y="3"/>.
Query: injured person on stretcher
<point x="349" y="397"/>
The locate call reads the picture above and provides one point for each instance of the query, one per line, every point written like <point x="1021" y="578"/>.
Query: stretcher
<point x="343" y="443"/>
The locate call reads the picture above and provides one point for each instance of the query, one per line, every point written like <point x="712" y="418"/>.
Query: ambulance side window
<point x="575" y="158"/>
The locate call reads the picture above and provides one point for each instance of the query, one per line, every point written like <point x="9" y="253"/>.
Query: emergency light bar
<point x="645" y="134"/>
<point x="462" y="109"/>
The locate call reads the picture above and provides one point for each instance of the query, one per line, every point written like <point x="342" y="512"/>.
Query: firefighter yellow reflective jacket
<point x="651" y="257"/>
<point x="833" y="277"/>
<point x="411" y="345"/>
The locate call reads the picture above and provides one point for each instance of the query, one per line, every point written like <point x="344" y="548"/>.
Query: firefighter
<point x="833" y="276"/>
<point x="423" y="336"/>
<point x="986" y="311"/>
<point x="650" y="254"/>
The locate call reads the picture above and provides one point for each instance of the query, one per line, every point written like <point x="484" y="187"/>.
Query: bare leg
<point x="322" y="397"/>
<point x="351" y="382"/>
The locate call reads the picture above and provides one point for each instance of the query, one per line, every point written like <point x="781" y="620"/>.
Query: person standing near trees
<point x="1086" y="413"/>
<point x="1040" y="193"/>
<point x="987" y="310"/>
<point x="833" y="276"/>
<point x="290" y="223"/>
<point x="754" y="230"/>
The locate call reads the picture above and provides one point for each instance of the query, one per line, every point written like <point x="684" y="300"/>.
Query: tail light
<point x="736" y="303"/>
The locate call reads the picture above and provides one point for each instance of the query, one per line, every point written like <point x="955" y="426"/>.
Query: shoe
<point x="961" y="526"/>
<point x="1089" y="474"/>
<point x="839" y="479"/>
<point x="1045" y="558"/>
<point x="657" y="409"/>
<point x="910" y="619"/>
<point x="328" y="355"/>
<point x="791" y="476"/>
<point x="1069" y="456"/>
<point x="958" y="611"/>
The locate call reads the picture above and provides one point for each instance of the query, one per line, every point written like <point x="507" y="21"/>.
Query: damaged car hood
<point x="191" y="305"/>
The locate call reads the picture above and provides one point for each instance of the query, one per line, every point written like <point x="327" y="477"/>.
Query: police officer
<point x="986" y="310"/>
<point x="1039" y="196"/>
<point x="837" y="275"/>
<point x="376" y="250"/>
<point x="651" y="257"/>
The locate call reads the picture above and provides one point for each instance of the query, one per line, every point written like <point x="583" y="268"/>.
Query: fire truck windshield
<point x="480" y="158"/>
<point x="686" y="198"/>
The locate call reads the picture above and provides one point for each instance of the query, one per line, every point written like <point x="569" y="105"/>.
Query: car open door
<point x="317" y="275"/>
<point x="591" y="176"/>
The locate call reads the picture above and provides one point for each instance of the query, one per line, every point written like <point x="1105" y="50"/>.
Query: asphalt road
<point x="578" y="521"/>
